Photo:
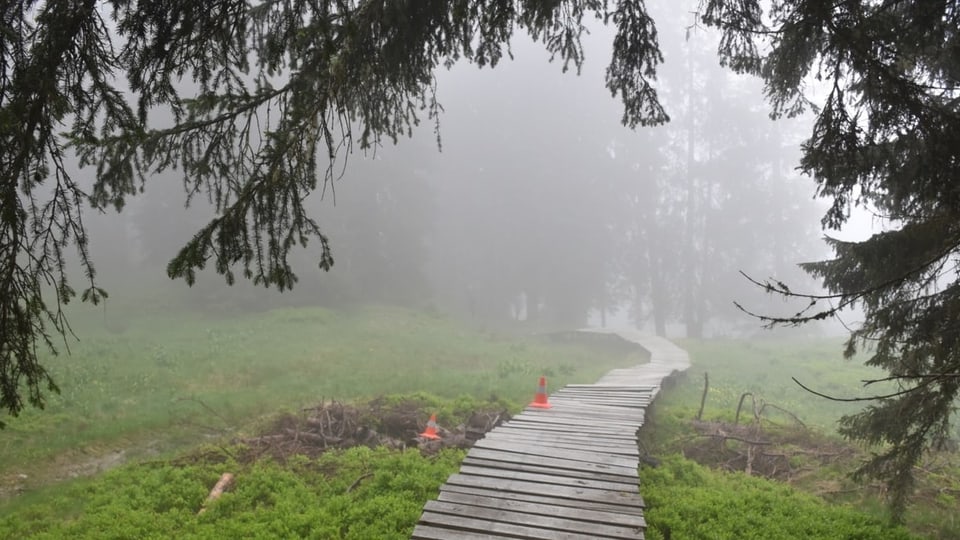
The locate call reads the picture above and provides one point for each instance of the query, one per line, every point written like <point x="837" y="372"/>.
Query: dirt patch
<point x="336" y="425"/>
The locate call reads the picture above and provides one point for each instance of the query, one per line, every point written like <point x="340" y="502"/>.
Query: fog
<point x="537" y="207"/>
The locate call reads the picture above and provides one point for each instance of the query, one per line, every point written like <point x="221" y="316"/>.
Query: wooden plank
<point x="541" y="498"/>
<point x="601" y="402"/>
<point x="506" y="529"/>
<point x="579" y="423"/>
<point x="535" y="427"/>
<point x="582" y="403"/>
<point x="636" y="409"/>
<point x="566" y="429"/>
<point x="584" y="438"/>
<point x="611" y="400"/>
<point x="588" y="457"/>
<point x="595" y="404"/>
<point x="625" y="437"/>
<point x="615" y="387"/>
<point x="548" y="522"/>
<point x="429" y="532"/>
<point x="591" y="406"/>
<point x="532" y="425"/>
<point x="573" y="419"/>
<point x="625" y="396"/>
<point x="527" y="467"/>
<point x="622" y="422"/>
<point x="609" y="432"/>
<point x="594" y="411"/>
<point x="601" y="393"/>
<point x="546" y="438"/>
<point x="622" y="498"/>
<point x="528" y="427"/>
<point x="598" y="516"/>
<point x="582" y="445"/>
<point x="598" y="401"/>
<point x="611" y="391"/>
<point x="552" y="462"/>
<point x="548" y="479"/>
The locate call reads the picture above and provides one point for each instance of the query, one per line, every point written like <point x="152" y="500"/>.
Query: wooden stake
<point x="703" y="398"/>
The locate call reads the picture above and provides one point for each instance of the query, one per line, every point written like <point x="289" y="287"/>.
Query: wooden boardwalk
<point x="568" y="472"/>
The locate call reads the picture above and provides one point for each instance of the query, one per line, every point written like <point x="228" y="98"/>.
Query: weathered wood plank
<point x="533" y="426"/>
<point x="509" y="529"/>
<point x="429" y="532"/>
<point x="588" y="457"/>
<point x="541" y="498"/>
<point x="527" y="467"/>
<point x="601" y="402"/>
<point x="549" y="479"/>
<point x="569" y="429"/>
<point x="616" y="387"/>
<point x="622" y="498"/>
<point x="539" y="521"/>
<point x="583" y="418"/>
<point x="613" y="397"/>
<point x="608" y="400"/>
<point x="576" y="444"/>
<point x="552" y="462"/>
<point x="611" y="405"/>
<point x="554" y="436"/>
<point x="541" y="415"/>
<point x="585" y="424"/>
<point x="597" y="516"/>
<point x="592" y="411"/>
<point x="603" y="391"/>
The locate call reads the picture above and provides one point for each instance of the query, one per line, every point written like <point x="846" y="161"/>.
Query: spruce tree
<point x="267" y="99"/>
<point x="886" y="138"/>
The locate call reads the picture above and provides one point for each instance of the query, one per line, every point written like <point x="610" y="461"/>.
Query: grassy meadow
<point x="151" y="405"/>
<point x="171" y="380"/>
<point x="818" y="458"/>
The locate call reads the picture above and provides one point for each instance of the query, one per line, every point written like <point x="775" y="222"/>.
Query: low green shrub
<point x="359" y="493"/>
<point x="688" y="501"/>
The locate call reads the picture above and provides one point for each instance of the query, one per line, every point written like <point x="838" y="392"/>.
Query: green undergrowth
<point x="144" y="383"/>
<point x="799" y="429"/>
<point x="767" y="369"/>
<point x="359" y="493"/>
<point x="689" y="501"/>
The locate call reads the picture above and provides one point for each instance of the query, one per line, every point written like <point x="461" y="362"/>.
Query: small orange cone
<point x="431" y="431"/>
<point x="540" y="400"/>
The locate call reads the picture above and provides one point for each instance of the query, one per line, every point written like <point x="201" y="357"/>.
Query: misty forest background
<point x="526" y="207"/>
<point x="539" y="206"/>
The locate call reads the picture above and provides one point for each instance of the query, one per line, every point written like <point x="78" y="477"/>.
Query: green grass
<point x="301" y="499"/>
<point x="689" y="501"/>
<point x="171" y="379"/>
<point x="766" y="369"/>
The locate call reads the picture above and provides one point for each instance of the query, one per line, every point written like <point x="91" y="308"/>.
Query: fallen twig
<point x="358" y="480"/>
<point x="226" y="479"/>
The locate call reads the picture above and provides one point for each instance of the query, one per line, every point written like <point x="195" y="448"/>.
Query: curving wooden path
<point x="568" y="472"/>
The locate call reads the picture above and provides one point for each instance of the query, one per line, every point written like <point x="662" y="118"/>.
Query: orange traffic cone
<point x="431" y="431"/>
<point x="540" y="400"/>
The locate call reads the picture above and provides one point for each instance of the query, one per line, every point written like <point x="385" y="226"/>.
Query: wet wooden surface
<point x="567" y="472"/>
